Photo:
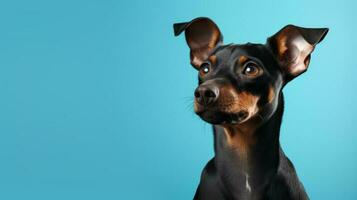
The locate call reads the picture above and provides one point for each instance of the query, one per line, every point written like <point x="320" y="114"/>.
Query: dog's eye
<point x="251" y="69"/>
<point x="204" y="68"/>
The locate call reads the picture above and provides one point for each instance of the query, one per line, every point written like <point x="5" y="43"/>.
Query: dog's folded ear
<point x="293" y="46"/>
<point x="202" y="36"/>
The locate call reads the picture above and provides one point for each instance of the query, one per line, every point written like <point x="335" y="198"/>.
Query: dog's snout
<point x="206" y="94"/>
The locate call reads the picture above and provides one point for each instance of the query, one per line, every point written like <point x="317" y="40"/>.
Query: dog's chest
<point x="237" y="177"/>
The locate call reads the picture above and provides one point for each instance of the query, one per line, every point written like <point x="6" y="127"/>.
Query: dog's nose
<point x="206" y="94"/>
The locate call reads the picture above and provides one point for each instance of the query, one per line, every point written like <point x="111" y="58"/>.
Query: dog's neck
<point x="247" y="155"/>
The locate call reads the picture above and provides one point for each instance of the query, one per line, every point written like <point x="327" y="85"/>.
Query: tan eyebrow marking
<point x="242" y="60"/>
<point x="213" y="59"/>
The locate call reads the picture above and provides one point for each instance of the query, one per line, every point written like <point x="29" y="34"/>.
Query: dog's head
<point x="242" y="82"/>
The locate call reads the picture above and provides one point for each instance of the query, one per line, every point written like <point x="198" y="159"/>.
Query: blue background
<point x="96" y="97"/>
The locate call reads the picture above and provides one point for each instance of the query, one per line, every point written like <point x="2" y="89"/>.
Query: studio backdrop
<point x="97" y="97"/>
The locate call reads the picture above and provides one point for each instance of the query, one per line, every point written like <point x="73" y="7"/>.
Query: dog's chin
<point x="219" y="117"/>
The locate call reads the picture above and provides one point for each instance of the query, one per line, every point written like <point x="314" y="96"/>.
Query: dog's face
<point x="238" y="83"/>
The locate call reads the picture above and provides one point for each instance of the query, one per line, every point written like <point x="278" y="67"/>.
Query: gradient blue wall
<point x="96" y="97"/>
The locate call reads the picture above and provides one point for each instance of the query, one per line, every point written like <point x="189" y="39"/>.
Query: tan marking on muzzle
<point x="232" y="101"/>
<point x="248" y="101"/>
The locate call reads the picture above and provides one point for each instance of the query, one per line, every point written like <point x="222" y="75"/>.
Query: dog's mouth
<point x="227" y="106"/>
<point x="219" y="116"/>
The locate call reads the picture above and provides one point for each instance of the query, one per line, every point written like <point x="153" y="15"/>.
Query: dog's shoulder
<point x="286" y="184"/>
<point x="209" y="186"/>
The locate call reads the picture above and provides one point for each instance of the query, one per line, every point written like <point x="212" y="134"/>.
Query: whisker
<point x="189" y="102"/>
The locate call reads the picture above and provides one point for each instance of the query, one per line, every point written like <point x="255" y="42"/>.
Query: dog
<point x="240" y="93"/>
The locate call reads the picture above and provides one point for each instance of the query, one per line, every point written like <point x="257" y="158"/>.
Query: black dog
<point x="240" y="93"/>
